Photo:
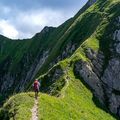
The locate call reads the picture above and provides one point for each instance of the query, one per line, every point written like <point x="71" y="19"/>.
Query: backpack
<point x="36" y="85"/>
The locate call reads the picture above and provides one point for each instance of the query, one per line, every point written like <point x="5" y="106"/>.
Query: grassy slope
<point x="18" y="55"/>
<point x="94" y="20"/>
<point x="77" y="30"/>
<point x="75" y="102"/>
<point x="19" y="106"/>
<point x="15" y="50"/>
<point x="76" y="33"/>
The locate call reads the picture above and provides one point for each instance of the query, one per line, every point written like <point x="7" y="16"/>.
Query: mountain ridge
<point x="87" y="45"/>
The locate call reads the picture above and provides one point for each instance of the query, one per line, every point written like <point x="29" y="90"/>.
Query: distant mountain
<point x="82" y="52"/>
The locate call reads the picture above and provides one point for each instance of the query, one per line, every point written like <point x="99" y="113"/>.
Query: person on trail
<point x="36" y="86"/>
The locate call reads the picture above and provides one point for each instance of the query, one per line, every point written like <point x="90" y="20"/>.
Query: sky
<point x="24" y="18"/>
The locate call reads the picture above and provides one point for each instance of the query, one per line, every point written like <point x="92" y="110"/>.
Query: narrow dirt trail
<point x="35" y="111"/>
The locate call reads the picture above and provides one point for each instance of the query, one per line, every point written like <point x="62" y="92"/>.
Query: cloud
<point x="28" y="23"/>
<point x="7" y="29"/>
<point x="41" y="17"/>
<point x="30" y="4"/>
<point x="27" y="19"/>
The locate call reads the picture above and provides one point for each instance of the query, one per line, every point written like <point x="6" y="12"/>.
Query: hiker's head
<point x="36" y="79"/>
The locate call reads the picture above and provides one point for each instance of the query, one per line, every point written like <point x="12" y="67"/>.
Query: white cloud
<point x="30" y="22"/>
<point x="25" y="24"/>
<point x="7" y="29"/>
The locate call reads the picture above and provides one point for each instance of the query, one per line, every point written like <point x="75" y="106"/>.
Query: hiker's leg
<point x="35" y="94"/>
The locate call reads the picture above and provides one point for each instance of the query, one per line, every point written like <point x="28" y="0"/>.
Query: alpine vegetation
<point x="77" y="66"/>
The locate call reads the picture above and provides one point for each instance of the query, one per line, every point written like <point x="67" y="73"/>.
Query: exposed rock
<point x="91" y="2"/>
<point x="97" y="60"/>
<point x="26" y="72"/>
<point x="114" y="103"/>
<point x="68" y="50"/>
<point x="111" y="78"/>
<point x="7" y="84"/>
<point x="50" y="81"/>
<point x="39" y="61"/>
<point x="47" y="29"/>
<point x="116" y="35"/>
<point x="90" y="54"/>
<point x="108" y="79"/>
<point x="84" y="70"/>
<point x="118" y="48"/>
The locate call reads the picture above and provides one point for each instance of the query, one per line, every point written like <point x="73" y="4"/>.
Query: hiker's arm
<point x="39" y="84"/>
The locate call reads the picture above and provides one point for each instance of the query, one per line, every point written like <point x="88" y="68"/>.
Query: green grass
<point x="87" y="30"/>
<point x="17" y="57"/>
<point x="18" y="107"/>
<point x="75" y="103"/>
<point x="92" y="43"/>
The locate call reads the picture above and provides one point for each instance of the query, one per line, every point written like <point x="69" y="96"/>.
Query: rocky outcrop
<point x="90" y="73"/>
<point x="47" y="29"/>
<point x="37" y="64"/>
<point x="26" y="72"/>
<point x="102" y="78"/>
<point x="111" y="76"/>
<point x="97" y="61"/>
<point x="91" y="2"/>
<point x="111" y="80"/>
<point x="67" y="52"/>
<point x="51" y="82"/>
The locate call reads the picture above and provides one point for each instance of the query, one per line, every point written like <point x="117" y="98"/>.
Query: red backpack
<point x="36" y="85"/>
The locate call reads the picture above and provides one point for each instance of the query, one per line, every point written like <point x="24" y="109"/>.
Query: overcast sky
<point x="24" y="18"/>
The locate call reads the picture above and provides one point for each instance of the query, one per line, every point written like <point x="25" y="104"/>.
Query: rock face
<point x="111" y="79"/>
<point x="111" y="76"/>
<point x="85" y="71"/>
<point x="104" y="81"/>
<point x="91" y="2"/>
<point x="51" y="82"/>
<point x="90" y="73"/>
<point x="67" y="52"/>
<point x="27" y="73"/>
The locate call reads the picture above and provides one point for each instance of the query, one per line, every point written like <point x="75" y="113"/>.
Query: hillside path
<point x="35" y="110"/>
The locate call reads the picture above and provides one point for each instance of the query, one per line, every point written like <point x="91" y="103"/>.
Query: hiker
<point x="36" y="86"/>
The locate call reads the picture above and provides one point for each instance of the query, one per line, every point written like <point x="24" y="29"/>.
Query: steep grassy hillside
<point x="92" y="30"/>
<point x="22" y="60"/>
<point x="75" y="103"/>
<point x="75" y="100"/>
<point x="18" y="107"/>
<point x="72" y="61"/>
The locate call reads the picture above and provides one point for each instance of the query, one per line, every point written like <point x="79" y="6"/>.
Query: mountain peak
<point x="47" y="29"/>
<point x="91" y="2"/>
